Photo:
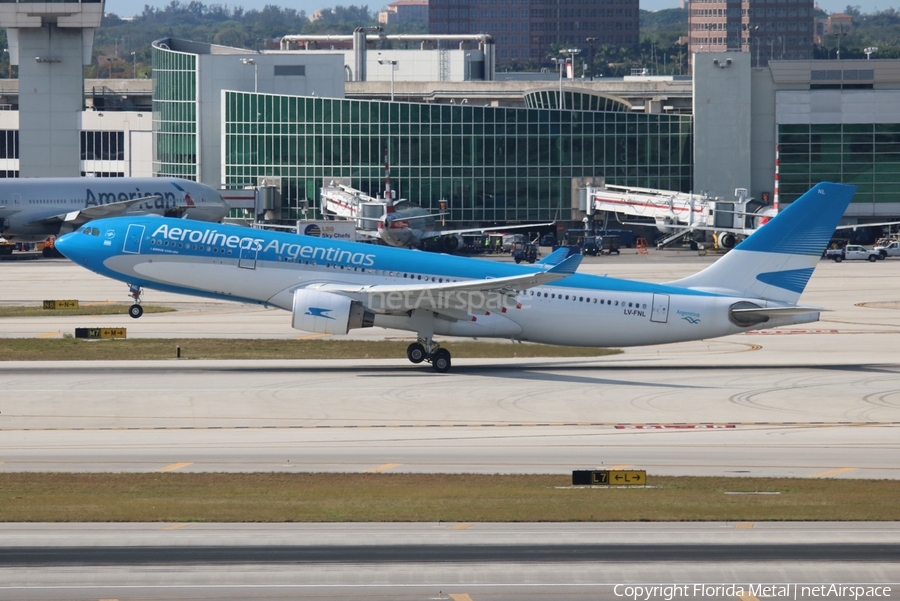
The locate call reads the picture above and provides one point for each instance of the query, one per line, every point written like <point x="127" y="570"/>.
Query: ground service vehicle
<point x="852" y="252"/>
<point x="529" y="253"/>
<point x="889" y="250"/>
<point x="626" y="237"/>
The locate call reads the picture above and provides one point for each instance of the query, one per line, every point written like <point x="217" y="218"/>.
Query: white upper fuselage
<point x="241" y="264"/>
<point x="34" y="208"/>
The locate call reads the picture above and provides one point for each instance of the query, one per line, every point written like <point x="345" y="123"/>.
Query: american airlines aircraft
<point x="32" y="209"/>
<point x="332" y="287"/>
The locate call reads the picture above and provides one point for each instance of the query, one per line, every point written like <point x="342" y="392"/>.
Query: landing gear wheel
<point x="415" y="352"/>
<point x="135" y="311"/>
<point x="440" y="361"/>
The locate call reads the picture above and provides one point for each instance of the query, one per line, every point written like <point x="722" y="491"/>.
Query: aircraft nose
<point x="68" y="244"/>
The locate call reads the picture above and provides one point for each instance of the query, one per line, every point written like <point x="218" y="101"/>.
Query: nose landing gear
<point x="135" y="310"/>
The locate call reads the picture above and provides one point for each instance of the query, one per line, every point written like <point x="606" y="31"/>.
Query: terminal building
<point x="494" y="147"/>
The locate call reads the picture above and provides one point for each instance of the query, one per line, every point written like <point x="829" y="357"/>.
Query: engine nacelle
<point x="727" y="240"/>
<point x="327" y="313"/>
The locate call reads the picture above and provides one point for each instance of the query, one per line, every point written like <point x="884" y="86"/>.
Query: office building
<point x="532" y="32"/>
<point x="764" y="29"/>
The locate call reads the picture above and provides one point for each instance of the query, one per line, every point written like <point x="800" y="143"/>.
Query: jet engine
<point x="449" y="243"/>
<point x="727" y="240"/>
<point x="327" y="313"/>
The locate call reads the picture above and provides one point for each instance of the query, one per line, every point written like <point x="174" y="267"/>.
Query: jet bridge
<point x="678" y="214"/>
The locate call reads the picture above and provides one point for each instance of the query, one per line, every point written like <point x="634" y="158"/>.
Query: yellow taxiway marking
<point x="832" y="472"/>
<point x="624" y="466"/>
<point x="461" y="526"/>
<point x="747" y="597"/>
<point x="460" y="597"/>
<point x="383" y="468"/>
<point x="176" y="526"/>
<point x="311" y="336"/>
<point x="48" y="334"/>
<point x="743" y="526"/>
<point x="173" y="467"/>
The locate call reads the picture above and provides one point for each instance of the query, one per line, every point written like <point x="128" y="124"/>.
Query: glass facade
<point x="175" y="127"/>
<point x="865" y="155"/>
<point x="488" y="163"/>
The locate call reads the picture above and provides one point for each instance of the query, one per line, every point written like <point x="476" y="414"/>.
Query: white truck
<point x="889" y="250"/>
<point x="853" y="252"/>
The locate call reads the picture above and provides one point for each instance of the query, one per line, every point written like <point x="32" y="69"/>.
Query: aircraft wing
<point x="428" y="216"/>
<point x="684" y="226"/>
<point x="454" y="300"/>
<point x="481" y="230"/>
<point x="851" y="227"/>
<point x="369" y="234"/>
<point x="81" y="216"/>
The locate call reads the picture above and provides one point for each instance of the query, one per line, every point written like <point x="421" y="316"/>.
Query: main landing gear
<point x="135" y="310"/>
<point x="425" y="349"/>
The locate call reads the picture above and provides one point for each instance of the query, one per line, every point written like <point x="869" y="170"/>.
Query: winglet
<point x="566" y="266"/>
<point x="556" y="257"/>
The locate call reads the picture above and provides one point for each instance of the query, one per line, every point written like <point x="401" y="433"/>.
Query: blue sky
<point x="129" y="8"/>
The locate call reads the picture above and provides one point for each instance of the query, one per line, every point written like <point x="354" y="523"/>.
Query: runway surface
<point x="463" y="562"/>
<point x="820" y="401"/>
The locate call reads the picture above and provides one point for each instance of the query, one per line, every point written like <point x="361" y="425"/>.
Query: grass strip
<point x="143" y="349"/>
<point x="83" y="309"/>
<point x="317" y="497"/>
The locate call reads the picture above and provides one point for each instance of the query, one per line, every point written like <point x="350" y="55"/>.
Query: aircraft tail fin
<point x="777" y="260"/>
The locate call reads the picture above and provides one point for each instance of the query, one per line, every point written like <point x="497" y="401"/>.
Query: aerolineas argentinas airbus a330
<point x="332" y="286"/>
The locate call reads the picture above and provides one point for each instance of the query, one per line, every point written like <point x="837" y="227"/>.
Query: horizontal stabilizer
<point x="747" y="316"/>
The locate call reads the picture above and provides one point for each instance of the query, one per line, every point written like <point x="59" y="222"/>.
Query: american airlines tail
<point x="776" y="261"/>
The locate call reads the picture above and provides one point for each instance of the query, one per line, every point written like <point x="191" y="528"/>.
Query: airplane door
<point x="660" y="310"/>
<point x="17" y="200"/>
<point x="133" y="238"/>
<point x="247" y="259"/>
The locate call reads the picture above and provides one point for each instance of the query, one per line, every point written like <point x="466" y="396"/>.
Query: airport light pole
<point x="134" y="65"/>
<point x="840" y="33"/>
<point x="252" y="61"/>
<point x="572" y="52"/>
<point x="590" y="42"/>
<point x="561" y="63"/>
<point x="393" y="64"/>
<point x="870" y="51"/>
